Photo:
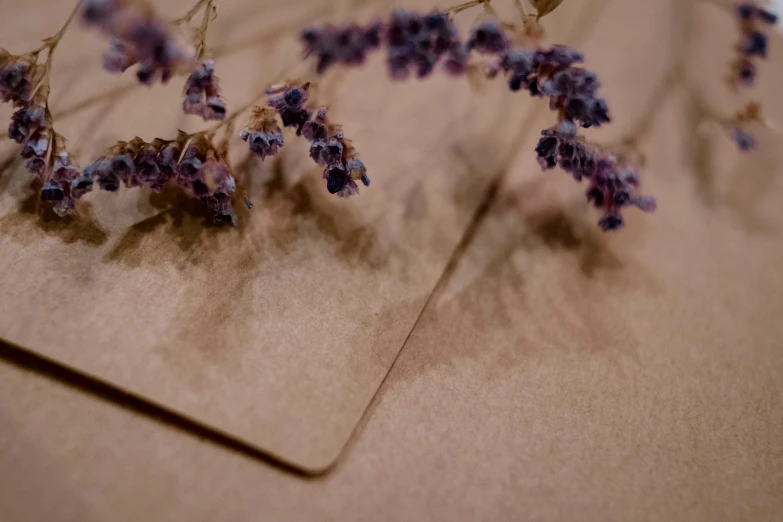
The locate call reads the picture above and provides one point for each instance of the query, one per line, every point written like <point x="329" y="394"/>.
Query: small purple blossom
<point x="754" y="43"/>
<point x="262" y="133"/>
<point x="744" y="140"/>
<point x="119" y="57"/>
<point x="748" y="11"/>
<point x="52" y="191"/>
<point x="348" y="45"/>
<point x="290" y="105"/>
<point x="747" y="73"/>
<point x="611" y="186"/>
<point x="16" y="77"/>
<point x="202" y="94"/>
<point x="25" y="122"/>
<point x="138" y="36"/>
<point x="456" y="61"/>
<point x="416" y="43"/>
<point x="487" y="38"/>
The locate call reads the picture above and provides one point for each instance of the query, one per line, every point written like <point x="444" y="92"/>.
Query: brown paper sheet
<point x="276" y="333"/>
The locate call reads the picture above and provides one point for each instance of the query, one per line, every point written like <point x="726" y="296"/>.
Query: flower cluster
<point x="572" y="91"/>
<point x="753" y="44"/>
<point x="203" y="95"/>
<point x="138" y="36"/>
<point x="347" y="45"/>
<point x="487" y="38"/>
<point x="263" y="133"/>
<point x="415" y="44"/>
<point x="737" y="126"/>
<point x="192" y="161"/>
<point x="330" y="149"/>
<point x="613" y="184"/>
<point x="23" y="82"/>
<point x="289" y="104"/>
<point x="17" y="76"/>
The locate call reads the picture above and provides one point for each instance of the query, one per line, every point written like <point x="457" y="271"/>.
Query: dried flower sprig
<point x="613" y="180"/>
<point x="419" y="43"/>
<point x="753" y="21"/>
<point x="330" y="148"/>
<point x="263" y="133"/>
<point x="754" y="18"/>
<point x="193" y="161"/>
<point x="139" y="36"/>
<point x="203" y="96"/>
<point x="26" y="83"/>
<point x="416" y="45"/>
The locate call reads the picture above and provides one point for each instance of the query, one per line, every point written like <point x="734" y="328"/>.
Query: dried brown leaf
<point x="544" y="7"/>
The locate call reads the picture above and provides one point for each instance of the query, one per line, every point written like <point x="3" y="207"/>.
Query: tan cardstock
<point x="276" y="333"/>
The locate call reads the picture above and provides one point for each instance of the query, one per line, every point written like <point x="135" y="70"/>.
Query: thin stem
<point x="204" y="27"/>
<point x="190" y="14"/>
<point x="50" y="45"/>
<point x="463" y="7"/>
<point x="59" y="36"/>
<point x="519" y="4"/>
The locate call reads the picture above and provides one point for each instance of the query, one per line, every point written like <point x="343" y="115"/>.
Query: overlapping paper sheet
<point x="278" y="332"/>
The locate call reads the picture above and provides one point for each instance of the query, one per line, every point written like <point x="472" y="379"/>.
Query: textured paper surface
<point x="558" y="374"/>
<point x="279" y="332"/>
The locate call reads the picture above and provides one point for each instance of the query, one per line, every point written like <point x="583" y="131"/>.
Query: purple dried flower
<point x="755" y="45"/>
<point x="119" y="57"/>
<point x="203" y="95"/>
<point x="747" y="73"/>
<point x="290" y="105"/>
<point x="456" y="61"/>
<point x="572" y="91"/>
<point x="767" y="17"/>
<point x="562" y="147"/>
<point x="64" y="168"/>
<point x="100" y="171"/>
<point x="487" y="38"/>
<point x="315" y="129"/>
<point x="25" y="122"/>
<point x="356" y="170"/>
<point x="745" y="141"/>
<point x="348" y="45"/>
<point x="746" y="11"/>
<point x="82" y="184"/>
<point x="34" y="150"/>
<point x="52" y="191"/>
<point x="192" y="160"/>
<point x="316" y="151"/>
<point x="611" y="221"/>
<point x="263" y="133"/>
<point x="16" y="77"/>
<point x="559" y="56"/>
<point x="335" y="178"/>
<point x="333" y="152"/>
<point x="138" y="35"/>
<point x="612" y="186"/>
<point x="754" y="42"/>
<point x="417" y="43"/>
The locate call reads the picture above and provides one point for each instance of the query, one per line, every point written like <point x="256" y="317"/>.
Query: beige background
<point x="556" y="374"/>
